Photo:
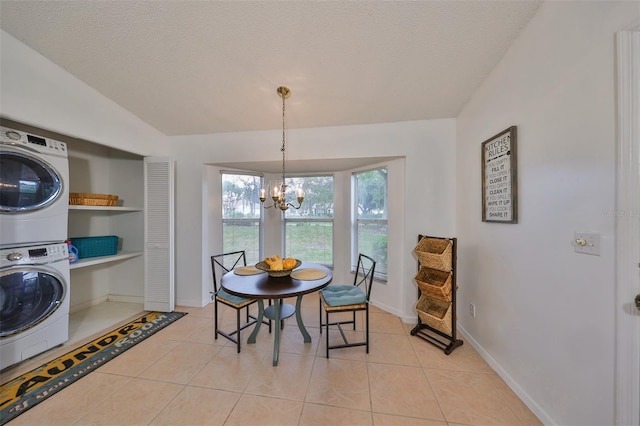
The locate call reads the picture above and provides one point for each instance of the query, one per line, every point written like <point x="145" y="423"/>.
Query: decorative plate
<point x="281" y="273"/>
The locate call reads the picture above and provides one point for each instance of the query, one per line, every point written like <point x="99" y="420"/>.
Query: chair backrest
<point x="225" y="262"/>
<point x="364" y="273"/>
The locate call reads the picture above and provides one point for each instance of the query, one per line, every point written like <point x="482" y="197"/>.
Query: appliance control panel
<point x="19" y="138"/>
<point x="34" y="255"/>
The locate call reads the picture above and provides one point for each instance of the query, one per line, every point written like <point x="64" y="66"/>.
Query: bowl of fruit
<point x="278" y="267"/>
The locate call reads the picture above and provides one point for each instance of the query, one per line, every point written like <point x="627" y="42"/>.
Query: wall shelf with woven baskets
<point x="436" y="281"/>
<point x="106" y="198"/>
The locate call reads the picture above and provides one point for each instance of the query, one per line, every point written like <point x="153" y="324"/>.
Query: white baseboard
<point x="406" y="319"/>
<point x="409" y="319"/>
<point x="386" y="308"/>
<point x="125" y="299"/>
<point x="108" y="298"/>
<point x="193" y="303"/>
<point x="86" y="305"/>
<point x="515" y="387"/>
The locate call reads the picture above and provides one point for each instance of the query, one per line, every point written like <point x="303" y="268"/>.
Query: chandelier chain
<point x="283" y="138"/>
<point x="278" y="192"/>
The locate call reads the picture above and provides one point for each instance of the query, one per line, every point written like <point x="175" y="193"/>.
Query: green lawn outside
<point x="311" y="241"/>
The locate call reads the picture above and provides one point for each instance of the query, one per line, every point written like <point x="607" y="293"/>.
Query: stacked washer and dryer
<point x="34" y="258"/>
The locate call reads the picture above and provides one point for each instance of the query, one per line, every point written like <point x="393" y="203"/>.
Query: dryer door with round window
<point x="26" y="182"/>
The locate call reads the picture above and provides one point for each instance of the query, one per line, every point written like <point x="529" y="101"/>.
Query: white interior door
<point x="159" y="260"/>
<point x="628" y="229"/>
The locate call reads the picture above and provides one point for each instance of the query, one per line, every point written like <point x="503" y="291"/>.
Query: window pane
<point x="310" y="241"/>
<point x="240" y="196"/>
<point x="318" y="197"/>
<point x="371" y="217"/>
<point x="241" y="215"/>
<point x="242" y="235"/>
<point x="309" y="230"/>
<point x="372" y="194"/>
<point x="372" y="241"/>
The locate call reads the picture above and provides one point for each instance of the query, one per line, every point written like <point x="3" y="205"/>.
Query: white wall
<point x="424" y="187"/>
<point x="37" y="92"/>
<point x="545" y="314"/>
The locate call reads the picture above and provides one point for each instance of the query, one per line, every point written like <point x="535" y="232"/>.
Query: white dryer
<point x="34" y="301"/>
<point x="34" y="189"/>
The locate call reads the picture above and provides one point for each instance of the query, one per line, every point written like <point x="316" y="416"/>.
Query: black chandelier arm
<point x="299" y="205"/>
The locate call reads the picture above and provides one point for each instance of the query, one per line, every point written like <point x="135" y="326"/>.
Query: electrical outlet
<point x="472" y="310"/>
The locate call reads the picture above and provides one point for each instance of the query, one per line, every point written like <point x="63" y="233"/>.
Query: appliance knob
<point x="13" y="135"/>
<point x="14" y="257"/>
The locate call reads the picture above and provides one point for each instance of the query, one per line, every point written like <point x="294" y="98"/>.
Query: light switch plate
<point x="587" y="243"/>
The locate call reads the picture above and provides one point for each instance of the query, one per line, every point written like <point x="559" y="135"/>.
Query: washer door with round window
<point x="34" y="301"/>
<point x="28" y="296"/>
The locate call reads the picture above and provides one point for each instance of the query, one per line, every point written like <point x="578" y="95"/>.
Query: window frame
<point x="260" y="219"/>
<point x="356" y="221"/>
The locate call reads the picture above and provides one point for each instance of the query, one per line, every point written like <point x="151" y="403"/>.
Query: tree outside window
<point x="241" y="214"/>
<point x="370" y="214"/>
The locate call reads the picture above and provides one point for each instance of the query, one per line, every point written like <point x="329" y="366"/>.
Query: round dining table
<point x="261" y="286"/>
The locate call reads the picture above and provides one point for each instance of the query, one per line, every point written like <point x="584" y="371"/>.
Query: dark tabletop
<point x="262" y="286"/>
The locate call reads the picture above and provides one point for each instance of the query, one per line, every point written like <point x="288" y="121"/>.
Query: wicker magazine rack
<point x="436" y="281"/>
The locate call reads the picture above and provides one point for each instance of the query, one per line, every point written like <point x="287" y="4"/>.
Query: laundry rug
<point x="26" y="391"/>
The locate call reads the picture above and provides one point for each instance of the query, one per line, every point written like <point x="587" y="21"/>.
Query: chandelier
<point x="278" y="190"/>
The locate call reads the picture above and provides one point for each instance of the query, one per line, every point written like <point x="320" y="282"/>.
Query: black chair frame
<point x="217" y="263"/>
<point x="363" y="277"/>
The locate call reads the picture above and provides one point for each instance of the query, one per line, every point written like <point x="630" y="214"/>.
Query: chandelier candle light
<point x="278" y="190"/>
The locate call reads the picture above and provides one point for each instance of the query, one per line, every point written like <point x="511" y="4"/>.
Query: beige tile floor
<point x="183" y="376"/>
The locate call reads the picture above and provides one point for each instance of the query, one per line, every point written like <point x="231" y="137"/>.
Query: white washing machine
<point x="34" y="189"/>
<point x="34" y="301"/>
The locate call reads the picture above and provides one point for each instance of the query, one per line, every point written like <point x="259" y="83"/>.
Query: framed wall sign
<point x="499" y="178"/>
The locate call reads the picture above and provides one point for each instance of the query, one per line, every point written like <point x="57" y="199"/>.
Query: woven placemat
<point x="247" y="270"/>
<point x="308" y="274"/>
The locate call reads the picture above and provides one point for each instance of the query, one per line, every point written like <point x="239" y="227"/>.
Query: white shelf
<point x="91" y="261"/>
<point x="106" y="208"/>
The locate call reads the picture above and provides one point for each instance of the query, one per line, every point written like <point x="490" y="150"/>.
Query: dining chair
<point x="340" y="298"/>
<point x="221" y="264"/>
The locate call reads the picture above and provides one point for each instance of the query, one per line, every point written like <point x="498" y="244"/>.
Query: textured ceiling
<point x="197" y="67"/>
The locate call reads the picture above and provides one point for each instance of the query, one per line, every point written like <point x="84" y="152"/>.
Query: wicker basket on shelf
<point x="434" y="253"/>
<point x="89" y="199"/>
<point x="435" y="313"/>
<point x="434" y="283"/>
